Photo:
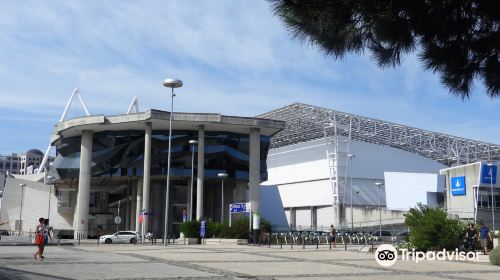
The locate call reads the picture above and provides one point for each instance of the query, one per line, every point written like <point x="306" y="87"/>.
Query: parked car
<point x="121" y="237"/>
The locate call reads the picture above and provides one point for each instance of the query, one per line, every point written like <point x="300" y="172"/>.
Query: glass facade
<point x="121" y="153"/>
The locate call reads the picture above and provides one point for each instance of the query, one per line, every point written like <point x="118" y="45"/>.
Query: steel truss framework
<point x="306" y="122"/>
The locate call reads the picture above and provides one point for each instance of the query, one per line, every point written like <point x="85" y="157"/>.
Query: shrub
<point x="432" y="229"/>
<point x="191" y="229"/>
<point x="495" y="256"/>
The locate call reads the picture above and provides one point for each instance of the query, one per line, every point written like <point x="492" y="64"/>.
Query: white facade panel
<point x="405" y="190"/>
<point x="316" y="193"/>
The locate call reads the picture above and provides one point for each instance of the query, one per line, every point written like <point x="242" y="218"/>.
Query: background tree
<point x="458" y="39"/>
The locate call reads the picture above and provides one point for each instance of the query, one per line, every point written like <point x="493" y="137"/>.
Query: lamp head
<point x="172" y="83"/>
<point x="193" y="142"/>
<point x="222" y="175"/>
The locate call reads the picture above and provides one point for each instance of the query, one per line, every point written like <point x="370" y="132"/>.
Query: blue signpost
<point x="489" y="174"/>
<point x="458" y="186"/>
<point x="203" y="228"/>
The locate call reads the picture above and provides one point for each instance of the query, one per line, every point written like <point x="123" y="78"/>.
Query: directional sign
<point x="147" y="213"/>
<point x="239" y="207"/>
<point x="118" y="220"/>
<point x="489" y="174"/>
<point x="458" y="185"/>
<point x="203" y="227"/>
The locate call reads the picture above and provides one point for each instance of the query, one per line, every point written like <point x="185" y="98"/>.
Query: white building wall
<point x="301" y="173"/>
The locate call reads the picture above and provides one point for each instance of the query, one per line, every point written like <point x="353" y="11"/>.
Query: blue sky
<point x="234" y="57"/>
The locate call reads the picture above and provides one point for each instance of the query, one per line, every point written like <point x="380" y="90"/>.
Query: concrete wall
<point x="35" y="206"/>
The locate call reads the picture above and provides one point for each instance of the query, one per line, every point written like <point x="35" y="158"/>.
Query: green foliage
<point x="456" y="39"/>
<point x="495" y="256"/>
<point x="238" y="230"/>
<point x="432" y="229"/>
<point x="191" y="229"/>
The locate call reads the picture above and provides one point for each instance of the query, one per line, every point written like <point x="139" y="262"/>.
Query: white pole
<point x="192" y="182"/>
<point x="492" y="199"/>
<point x="222" y="204"/>
<point x="380" y="212"/>
<point x="50" y="194"/>
<point x="167" y="195"/>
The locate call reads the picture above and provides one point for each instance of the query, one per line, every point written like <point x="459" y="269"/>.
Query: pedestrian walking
<point x="484" y="236"/>
<point x="47" y="235"/>
<point x="333" y="234"/>
<point x="39" y="239"/>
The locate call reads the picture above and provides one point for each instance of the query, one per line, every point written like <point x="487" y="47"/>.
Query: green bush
<point x="239" y="229"/>
<point x="495" y="256"/>
<point x="432" y="229"/>
<point x="213" y="229"/>
<point x="191" y="229"/>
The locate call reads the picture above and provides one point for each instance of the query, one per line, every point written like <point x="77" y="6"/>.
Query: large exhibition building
<point x="301" y="167"/>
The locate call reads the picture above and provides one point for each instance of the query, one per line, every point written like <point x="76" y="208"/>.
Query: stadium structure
<point x="331" y="167"/>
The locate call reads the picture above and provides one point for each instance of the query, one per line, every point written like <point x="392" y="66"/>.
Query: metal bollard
<point x="78" y="239"/>
<point x="317" y="245"/>
<point x="281" y="242"/>
<point x="98" y="238"/>
<point x="345" y="246"/>
<point x="331" y="243"/>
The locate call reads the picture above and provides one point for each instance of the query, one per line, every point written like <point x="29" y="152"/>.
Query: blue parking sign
<point x="203" y="226"/>
<point x="458" y="185"/>
<point x="489" y="174"/>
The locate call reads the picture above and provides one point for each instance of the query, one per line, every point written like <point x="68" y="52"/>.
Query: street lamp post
<point x="170" y="83"/>
<point x="492" y="196"/>
<point x="379" y="184"/>
<point x="49" y="180"/>
<point x="21" y="211"/>
<point x="351" y="156"/>
<point x="193" y="144"/>
<point x="222" y="176"/>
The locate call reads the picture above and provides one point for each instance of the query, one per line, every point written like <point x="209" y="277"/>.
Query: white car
<point x="121" y="237"/>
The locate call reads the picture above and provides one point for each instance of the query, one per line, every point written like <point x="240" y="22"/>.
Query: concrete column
<point x="133" y="206"/>
<point x="254" y="175"/>
<point x="201" y="170"/>
<point x="146" y="177"/>
<point x="138" y="227"/>
<point x="314" y="223"/>
<point x="254" y="169"/>
<point x="80" y="223"/>
<point x="293" y="220"/>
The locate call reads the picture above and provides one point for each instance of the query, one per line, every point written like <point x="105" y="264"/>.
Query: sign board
<point x="489" y="174"/>
<point x="118" y="220"/>
<point x="147" y="213"/>
<point x="203" y="228"/>
<point x="184" y="215"/>
<point x="256" y="221"/>
<point x="239" y="207"/>
<point x="458" y="186"/>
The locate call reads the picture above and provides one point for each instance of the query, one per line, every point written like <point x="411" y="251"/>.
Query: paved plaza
<point x="90" y="261"/>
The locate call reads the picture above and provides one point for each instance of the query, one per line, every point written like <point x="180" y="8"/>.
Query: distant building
<point x="9" y="164"/>
<point x="23" y="163"/>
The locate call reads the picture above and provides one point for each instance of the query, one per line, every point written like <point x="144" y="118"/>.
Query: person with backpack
<point x="39" y="239"/>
